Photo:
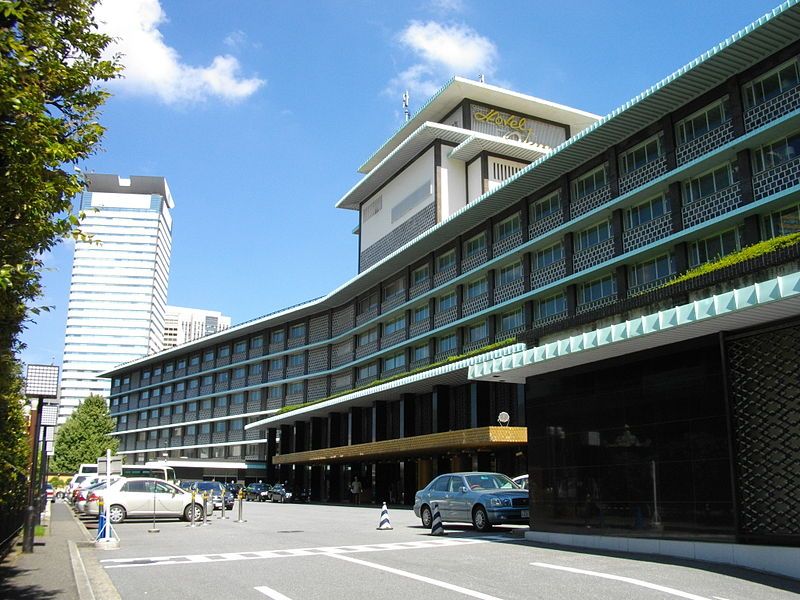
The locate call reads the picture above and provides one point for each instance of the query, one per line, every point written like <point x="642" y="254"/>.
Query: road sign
<point x="116" y="465"/>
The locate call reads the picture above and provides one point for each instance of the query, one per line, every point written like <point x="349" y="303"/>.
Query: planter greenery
<point x="447" y="361"/>
<point x="740" y="256"/>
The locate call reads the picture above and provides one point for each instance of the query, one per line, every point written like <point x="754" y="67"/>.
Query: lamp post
<point x="41" y="383"/>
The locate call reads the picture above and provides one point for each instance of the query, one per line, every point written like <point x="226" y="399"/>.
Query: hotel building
<point x="118" y="288"/>
<point x="520" y="257"/>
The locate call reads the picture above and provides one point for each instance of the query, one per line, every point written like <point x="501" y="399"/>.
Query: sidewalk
<point x="56" y="570"/>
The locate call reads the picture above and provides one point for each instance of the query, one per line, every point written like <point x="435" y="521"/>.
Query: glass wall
<point x="633" y="446"/>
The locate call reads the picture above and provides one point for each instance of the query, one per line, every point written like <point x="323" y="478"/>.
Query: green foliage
<point x="50" y="67"/>
<point x="754" y="251"/>
<point x="85" y="436"/>
<point x="441" y="363"/>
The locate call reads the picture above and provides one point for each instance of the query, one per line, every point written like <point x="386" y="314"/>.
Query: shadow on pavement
<point x="11" y="586"/>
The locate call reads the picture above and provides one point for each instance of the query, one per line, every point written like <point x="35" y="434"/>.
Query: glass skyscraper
<point x="118" y="290"/>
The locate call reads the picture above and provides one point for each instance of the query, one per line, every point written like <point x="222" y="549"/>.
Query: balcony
<point x="296" y="370"/>
<point x="393" y="302"/>
<point x="705" y="143"/>
<point x="643" y="174"/>
<point x="594" y="255"/>
<point x="275" y="375"/>
<point x="509" y="290"/>
<point x="393" y="338"/>
<point x="444" y="317"/>
<point x="367" y="315"/>
<point x="548" y="274"/>
<point x="419" y="288"/>
<point x="772" y="109"/>
<point x="590" y="201"/>
<point x="224" y="361"/>
<point x="478" y="258"/>
<point x="647" y="233"/>
<point x="776" y="179"/>
<point x="476" y="304"/>
<point x="714" y="205"/>
<point x="444" y="275"/>
<point x="341" y="356"/>
<point x="367" y="349"/>
<point x="508" y="243"/>
<point x="545" y="224"/>
<point x="419" y="327"/>
<point x="595" y="304"/>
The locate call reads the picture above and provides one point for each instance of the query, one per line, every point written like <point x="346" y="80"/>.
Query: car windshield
<point x="490" y="481"/>
<point x="209" y="485"/>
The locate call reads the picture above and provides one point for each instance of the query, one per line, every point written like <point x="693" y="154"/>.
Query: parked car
<point x="130" y="497"/>
<point x="50" y="492"/>
<point x="521" y="481"/>
<point x="187" y="485"/>
<point x="234" y="488"/>
<point x="257" y="492"/>
<point x="84" y="494"/>
<point x="280" y="493"/>
<point x="216" y="494"/>
<point x="484" y="499"/>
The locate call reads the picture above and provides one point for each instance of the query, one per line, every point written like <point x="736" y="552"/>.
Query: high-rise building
<point x="118" y="290"/>
<point x="183" y="325"/>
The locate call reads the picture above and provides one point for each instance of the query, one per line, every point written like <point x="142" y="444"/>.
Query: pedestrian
<point x="355" y="489"/>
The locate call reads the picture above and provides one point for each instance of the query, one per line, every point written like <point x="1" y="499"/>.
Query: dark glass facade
<point x="634" y="446"/>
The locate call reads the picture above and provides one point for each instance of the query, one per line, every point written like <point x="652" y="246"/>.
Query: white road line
<point x="269" y="592"/>
<point x="719" y="598"/>
<point x="187" y="559"/>
<point x="639" y="582"/>
<point x="436" y="582"/>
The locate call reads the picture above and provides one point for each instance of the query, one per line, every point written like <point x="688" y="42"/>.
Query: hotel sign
<point x="516" y="128"/>
<point x="511" y="126"/>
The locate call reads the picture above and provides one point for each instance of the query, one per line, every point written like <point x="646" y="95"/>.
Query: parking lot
<point x="304" y="552"/>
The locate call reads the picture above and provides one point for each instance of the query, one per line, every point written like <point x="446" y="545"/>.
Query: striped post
<point x="385" y="523"/>
<point x="436" y="522"/>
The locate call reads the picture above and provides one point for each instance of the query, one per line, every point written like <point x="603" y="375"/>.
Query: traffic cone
<point x="436" y="523"/>
<point x="384" y="522"/>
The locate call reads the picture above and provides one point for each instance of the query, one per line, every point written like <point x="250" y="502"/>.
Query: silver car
<point x="483" y="499"/>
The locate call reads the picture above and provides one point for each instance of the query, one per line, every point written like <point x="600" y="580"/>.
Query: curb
<point x="90" y="576"/>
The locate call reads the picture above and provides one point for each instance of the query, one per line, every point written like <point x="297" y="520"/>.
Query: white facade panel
<point x="474" y="181"/>
<point x="453" y="192"/>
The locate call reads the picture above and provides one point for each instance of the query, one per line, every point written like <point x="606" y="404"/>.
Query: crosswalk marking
<point x="154" y="561"/>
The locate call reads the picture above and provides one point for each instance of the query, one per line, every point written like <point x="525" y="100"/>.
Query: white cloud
<point x="154" y="68"/>
<point x="442" y="51"/>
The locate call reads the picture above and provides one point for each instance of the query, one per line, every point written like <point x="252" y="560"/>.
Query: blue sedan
<point x="484" y="499"/>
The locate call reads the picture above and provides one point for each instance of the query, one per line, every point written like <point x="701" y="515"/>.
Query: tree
<point x="51" y="62"/>
<point x="85" y="436"/>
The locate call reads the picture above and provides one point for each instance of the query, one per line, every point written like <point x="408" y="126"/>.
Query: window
<point x="507" y="228"/>
<point x="447" y="302"/>
<point x="709" y="183"/>
<point x="421" y="313"/>
<point x="586" y="184"/>
<point x="180" y="386"/>
<point x="294" y="389"/>
<point x="156" y="392"/>
<point x="254" y="396"/>
<point x="512" y="320"/>
<point x="167" y="389"/>
<point x="221" y="402"/>
<point x="597" y="289"/>
<point x="446" y="261"/>
<point x="396" y="361"/>
<point x="713" y="247"/>
<point x="510" y="274"/>
<point x="368" y="304"/>
<point x="771" y="84"/>
<point x="191" y="430"/>
<point x="297" y="360"/>
<point x="478" y="332"/>
<point x="154" y="413"/>
<point x="181" y="364"/>
<point x="782" y="222"/>
<point x="551" y="306"/>
<point x="276" y="364"/>
<point x="647" y="211"/>
<point x="475" y="245"/>
<point x="219" y="427"/>
<point x="447" y="343"/>
<point x="368" y="371"/>
<point x="255" y="369"/>
<point x="194" y="360"/>
<point x="238" y="373"/>
<point x="237" y="424"/>
<point x="477" y="288"/>
<point x="277" y="336"/>
<point x="145" y="375"/>
<point x="703" y="121"/>
<point x="652" y="270"/>
<point x="205" y="427"/>
<point x="126" y="380"/>
<point x="191" y="407"/>
<point x="207" y="380"/>
<point x="297" y="331"/>
<point x="776" y="153"/>
<point x="223" y="377"/>
<point x="240" y="347"/>
<point x="237" y="399"/>
<point x="548" y="256"/>
<point x="420" y="275"/>
<point x="177" y="432"/>
<point x="394" y="325"/>
<point x="224" y="352"/>
<point x="156" y="371"/>
<point x="591" y="236"/>
<point x="393" y="289"/>
<point x="414" y="199"/>
<point x="208" y="355"/>
<point x="371" y="208"/>
<point x="257" y="342"/>
<point x="640" y="155"/>
<point x="276" y="391"/>
<point x="206" y="404"/>
<point x="169" y="367"/>
<point x="178" y="409"/>
<point x="421" y="352"/>
<point x="145" y="395"/>
<point x="546" y="206"/>
<point x="368" y="337"/>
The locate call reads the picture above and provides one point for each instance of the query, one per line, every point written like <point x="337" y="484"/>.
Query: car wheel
<point x="480" y="519"/>
<point x="116" y="514"/>
<point x="426" y="516"/>
<point x="198" y="512"/>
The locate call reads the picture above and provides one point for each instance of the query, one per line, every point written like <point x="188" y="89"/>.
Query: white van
<point x="153" y="470"/>
<point x="87" y="468"/>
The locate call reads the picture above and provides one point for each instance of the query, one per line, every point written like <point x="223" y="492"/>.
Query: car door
<point x="460" y="499"/>
<point x="170" y="500"/>
<point x="135" y="496"/>
<point x="440" y="495"/>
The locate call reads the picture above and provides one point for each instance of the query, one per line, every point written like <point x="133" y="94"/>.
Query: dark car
<point x="280" y="493"/>
<point x="257" y="492"/>
<point x="485" y="499"/>
<point x="216" y="493"/>
<point x="234" y="488"/>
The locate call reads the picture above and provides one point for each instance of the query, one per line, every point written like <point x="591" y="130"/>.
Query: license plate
<point x="524" y="514"/>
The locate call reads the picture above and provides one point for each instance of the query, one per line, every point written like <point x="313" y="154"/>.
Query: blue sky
<point x="259" y="112"/>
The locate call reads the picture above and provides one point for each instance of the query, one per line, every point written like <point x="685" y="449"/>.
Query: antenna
<point x="481" y="78"/>
<point x="406" y="112"/>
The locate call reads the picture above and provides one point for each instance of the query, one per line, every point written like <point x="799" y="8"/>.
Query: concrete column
<point x="744" y="162"/>
<point x="379" y="421"/>
<point x="440" y="408"/>
<point x="675" y="195"/>
<point x="407" y="428"/>
<point x="272" y="447"/>
<point x="355" y="426"/>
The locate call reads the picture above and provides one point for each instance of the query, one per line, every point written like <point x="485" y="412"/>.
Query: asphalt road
<point x="314" y="552"/>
